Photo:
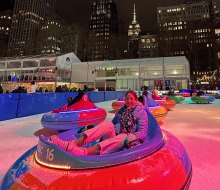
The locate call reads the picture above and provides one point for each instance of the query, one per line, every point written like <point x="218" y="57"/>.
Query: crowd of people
<point x="33" y="87"/>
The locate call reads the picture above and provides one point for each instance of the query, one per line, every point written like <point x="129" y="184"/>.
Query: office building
<point x="26" y="20"/>
<point x="49" y="35"/>
<point x="5" y="25"/>
<point x="103" y="30"/>
<point x="74" y="38"/>
<point x="148" y="45"/>
<point x="188" y="29"/>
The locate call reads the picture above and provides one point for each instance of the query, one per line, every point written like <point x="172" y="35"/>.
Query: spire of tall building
<point x="134" y="16"/>
<point x="134" y="30"/>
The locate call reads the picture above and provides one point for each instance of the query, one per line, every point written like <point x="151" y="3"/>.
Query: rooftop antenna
<point x="134" y="16"/>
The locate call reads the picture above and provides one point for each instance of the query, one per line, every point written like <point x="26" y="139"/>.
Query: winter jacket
<point x="141" y="125"/>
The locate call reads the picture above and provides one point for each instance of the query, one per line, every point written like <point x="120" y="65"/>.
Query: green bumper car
<point x="203" y="99"/>
<point x="177" y="99"/>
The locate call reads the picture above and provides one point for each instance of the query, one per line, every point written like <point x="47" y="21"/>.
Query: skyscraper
<point x="73" y="40"/>
<point x="148" y="45"/>
<point x="5" y="25"/>
<point x="27" y="15"/>
<point x="49" y="35"/>
<point x="103" y="30"/>
<point x="133" y="35"/>
<point x="188" y="29"/>
<point x="216" y="8"/>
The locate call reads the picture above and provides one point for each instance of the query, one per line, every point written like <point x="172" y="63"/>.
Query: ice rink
<point x="197" y="126"/>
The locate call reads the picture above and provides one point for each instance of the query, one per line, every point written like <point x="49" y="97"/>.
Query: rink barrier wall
<point x="19" y="105"/>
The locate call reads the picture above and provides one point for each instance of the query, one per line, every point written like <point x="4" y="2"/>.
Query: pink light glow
<point x="197" y="126"/>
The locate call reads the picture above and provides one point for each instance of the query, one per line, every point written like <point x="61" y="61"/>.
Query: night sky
<point x="146" y="10"/>
<point x="78" y="11"/>
<point x="6" y="4"/>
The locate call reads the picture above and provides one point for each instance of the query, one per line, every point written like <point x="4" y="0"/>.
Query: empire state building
<point x="133" y="35"/>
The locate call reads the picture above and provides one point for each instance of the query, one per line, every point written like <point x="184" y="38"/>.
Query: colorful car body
<point x="203" y="99"/>
<point x="78" y="115"/>
<point x="116" y="105"/>
<point x="159" y="112"/>
<point x="165" y="102"/>
<point x="177" y="99"/>
<point x="161" y="162"/>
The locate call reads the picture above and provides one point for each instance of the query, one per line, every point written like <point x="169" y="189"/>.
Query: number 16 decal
<point x="50" y="155"/>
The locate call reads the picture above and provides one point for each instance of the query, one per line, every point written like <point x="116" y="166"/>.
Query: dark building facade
<point x="216" y="5"/>
<point x="5" y="26"/>
<point x="73" y="40"/>
<point x="26" y="21"/>
<point x="148" y="45"/>
<point x="103" y="31"/>
<point x="188" y="29"/>
<point x="216" y="10"/>
<point x="49" y="35"/>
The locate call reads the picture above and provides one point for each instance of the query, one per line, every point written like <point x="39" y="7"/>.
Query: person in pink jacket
<point x="129" y="127"/>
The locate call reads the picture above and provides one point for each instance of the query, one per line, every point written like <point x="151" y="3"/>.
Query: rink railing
<point x="22" y="104"/>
